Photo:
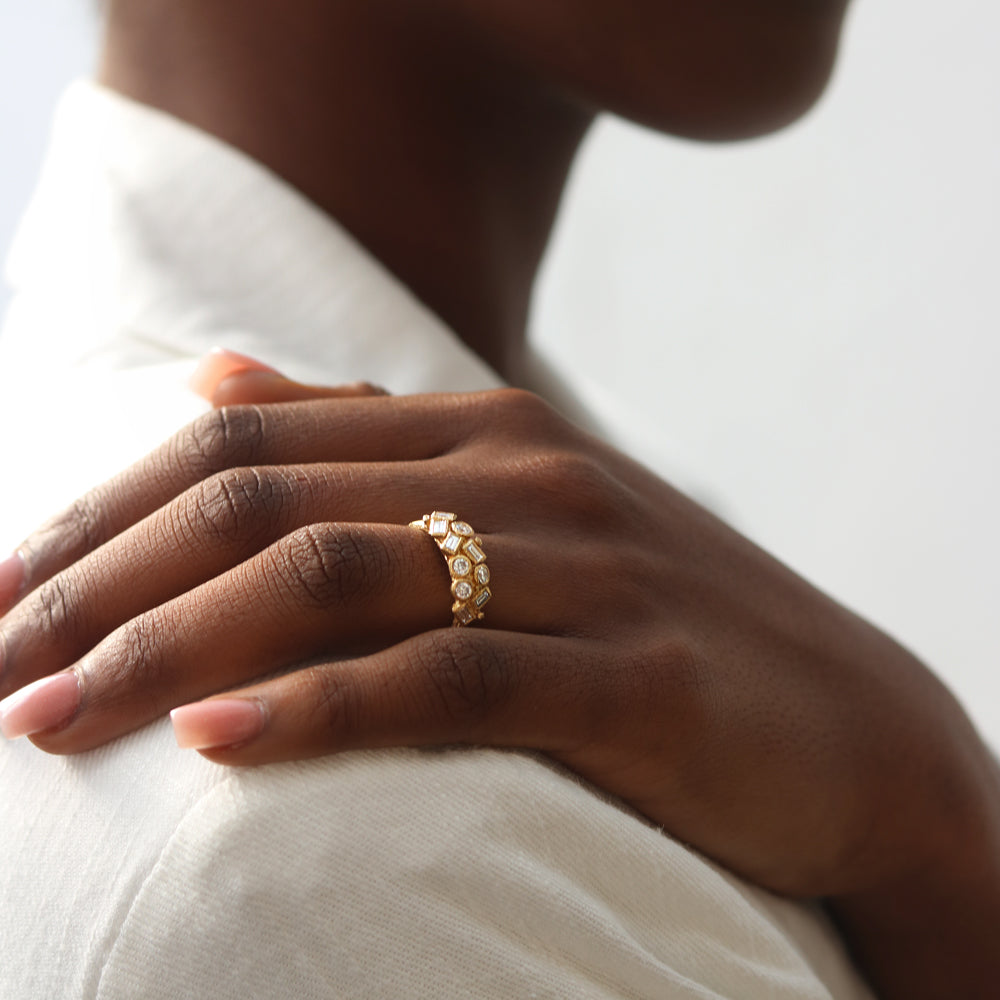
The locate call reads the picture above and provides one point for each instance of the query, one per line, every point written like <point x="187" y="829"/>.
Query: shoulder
<point x="444" y="873"/>
<point x="150" y="872"/>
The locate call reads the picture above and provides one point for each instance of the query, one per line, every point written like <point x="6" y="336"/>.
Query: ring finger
<point x="324" y="590"/>
<point x="204" y="533"/>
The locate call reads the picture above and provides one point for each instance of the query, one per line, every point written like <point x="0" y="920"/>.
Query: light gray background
<point x="806" y="325"/>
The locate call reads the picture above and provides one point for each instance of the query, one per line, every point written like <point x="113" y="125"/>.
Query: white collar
<point x="164" y="242"/>
<point x="149" y="241"/>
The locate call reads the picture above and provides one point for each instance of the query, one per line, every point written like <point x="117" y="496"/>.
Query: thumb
<point x="225" y="377"/>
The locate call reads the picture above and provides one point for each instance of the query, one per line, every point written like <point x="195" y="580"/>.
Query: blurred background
<point x="805" y="328"/>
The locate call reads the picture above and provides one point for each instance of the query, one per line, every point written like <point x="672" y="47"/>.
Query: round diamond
<point x="482" y="575"/>
<point x="460" y="566"/>
<point x="461" y="528"/>
<point x="463" y="590"/>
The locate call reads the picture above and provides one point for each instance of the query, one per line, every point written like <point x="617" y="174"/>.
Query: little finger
<point x="443" y="687"/>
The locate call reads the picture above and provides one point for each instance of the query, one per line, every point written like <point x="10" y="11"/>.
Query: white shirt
<point x="140" y="870"/>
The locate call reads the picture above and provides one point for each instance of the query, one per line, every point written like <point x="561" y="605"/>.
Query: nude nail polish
<point x="221" y="722"/>
<point x="11" y="580"/>
<point x="47" y="703"/>
<point x="220" y="364"/>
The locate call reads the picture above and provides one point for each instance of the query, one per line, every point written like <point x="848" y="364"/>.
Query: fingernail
<point x="11" y="581"/>
<point x="245" y="385"/>
<point x="43" y="705"/>
<point x="219" y="364"/>
<point x="221" y="722"/>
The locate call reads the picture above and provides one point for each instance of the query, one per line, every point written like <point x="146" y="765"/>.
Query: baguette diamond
<point x="466" y="563"/>
<point x="439" y="524"/>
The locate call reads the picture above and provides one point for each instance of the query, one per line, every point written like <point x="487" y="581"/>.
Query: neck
<point x="447" y="165"/>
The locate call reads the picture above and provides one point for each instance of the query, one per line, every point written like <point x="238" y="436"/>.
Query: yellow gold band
<point x="463" y="550"/>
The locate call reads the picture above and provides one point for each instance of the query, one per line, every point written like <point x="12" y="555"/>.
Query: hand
<point x="632" y="635"/>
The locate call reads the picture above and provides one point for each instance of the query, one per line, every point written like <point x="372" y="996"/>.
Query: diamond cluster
<point x="463" y="549"/>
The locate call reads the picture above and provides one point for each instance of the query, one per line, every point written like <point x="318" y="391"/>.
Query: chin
<point x="713" y="69"/>
<point x="740" y="88"/>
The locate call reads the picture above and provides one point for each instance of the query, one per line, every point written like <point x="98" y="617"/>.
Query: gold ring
<point x="463" y="551"/>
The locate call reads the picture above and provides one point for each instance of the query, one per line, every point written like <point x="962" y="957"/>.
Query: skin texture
<point x="712" y="689"/>
<point x="440" y="133"/>
<point x="718" y="693"/>
<point x="736" y="704"/>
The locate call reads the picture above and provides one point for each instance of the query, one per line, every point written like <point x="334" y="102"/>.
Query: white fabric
<point x="140" y="870"/>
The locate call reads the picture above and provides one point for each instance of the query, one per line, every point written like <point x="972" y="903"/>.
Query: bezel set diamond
<point x="451" y="543"/>
<point x="463" y="550"/>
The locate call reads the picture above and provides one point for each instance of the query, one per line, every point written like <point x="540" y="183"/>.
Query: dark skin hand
<point x="710" y="687"/>
<point x="632" y="636"/>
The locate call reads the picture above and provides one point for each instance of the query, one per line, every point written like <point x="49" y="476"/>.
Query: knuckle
<point x="235" y="503"/>
<point x="467" y="676"/>
<point x="675" y="672"/>
<point x="573" y="473"/>
<point x="331" y="566"/>
<point x="55" y="607"/>
<point x="330" y="704"/>
<point x="663" y="687"/>
<point x="578" y="484"/>
<point x="86" y="523"/>
<point x="521" y="401"/>
<point x="220" y="439"/>
<point x="79" y="529"/>
<point x="134" y="660"/>
<point x="508" y="413"/>
<point x="685" y="667"/>
<point x="520" y="410"/>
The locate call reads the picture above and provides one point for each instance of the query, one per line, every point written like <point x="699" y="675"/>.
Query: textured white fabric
<point x="139" y="870"/>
